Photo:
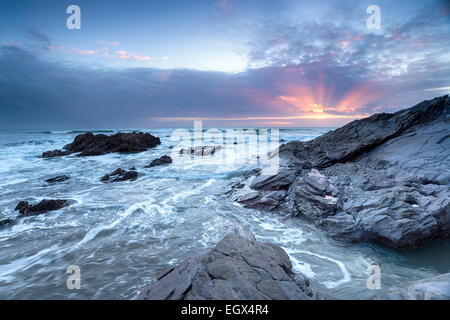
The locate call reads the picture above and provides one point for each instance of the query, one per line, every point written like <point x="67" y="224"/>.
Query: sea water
<point x="122" y="235"/>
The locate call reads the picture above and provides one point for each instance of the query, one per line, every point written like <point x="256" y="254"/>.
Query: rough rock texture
<point x="237" y="268"/>
<point x="385" y="178"/>
<point x="88" y="144"/>
<point x="58" y="179"/>
<point x="435" y="288"/>
<point x="120" y="175"/>
<point x="201" y="150"/>
<point x="160" y="161"/>
<point x="25" y="209"/>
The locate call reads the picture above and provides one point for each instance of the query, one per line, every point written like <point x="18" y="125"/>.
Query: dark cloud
<point x="35" y="92"/>
<point x="332" y="66"/>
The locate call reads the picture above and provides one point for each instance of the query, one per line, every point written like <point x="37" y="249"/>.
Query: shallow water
<point x="122" y="235"/>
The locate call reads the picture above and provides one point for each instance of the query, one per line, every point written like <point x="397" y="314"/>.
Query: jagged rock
<point x="58" y="179"/>
<point x="120" y="175"/>
<point x="160" y="161"/>
<point x="201" y="150"/>
<point x="26" y="209"/>
<point x="238" y="268"/>
<point x="434" y="288"/>
<point x="88" y="144"/>
<point x="385" y="178"/>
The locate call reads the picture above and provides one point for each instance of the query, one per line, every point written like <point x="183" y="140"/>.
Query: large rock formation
<point x="237" y="268"/>
<point x="385" y="178"/>
<point x="435" y="288"/>
<point x="88" y="144"/>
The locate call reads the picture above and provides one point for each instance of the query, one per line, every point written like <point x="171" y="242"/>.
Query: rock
<point x="55" y="153"/>
<point x="6" y="222"/>
<point x="25" y="209"/>
<point x="435" y="288"/>
<point x="160" y="161"/>
<point x="120" y="175"/>
<point x="88" y="144"/>
<point x="201" y="150"/>
<point x="238" y="268"/>
<point x="58" y="179"/>
<point x="383" y="179"/>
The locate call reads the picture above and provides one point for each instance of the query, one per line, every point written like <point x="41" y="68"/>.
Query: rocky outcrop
<point x="238" y="268"/>
<point x="25" y="209"/>
<point x="385" y="178"/>
<point x="435" y="288"/>
<point x="88" y="144"/>
<point x="201" y="150"/>
<point x="120" y="175"/>
<point x="159" y="162"/>
<point x="57" y="179"/>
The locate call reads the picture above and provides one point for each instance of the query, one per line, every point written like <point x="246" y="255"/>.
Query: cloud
<point x="83" y="52"/>
<point x="37" y="36"/>
<point x="109" y="43"/>
<point x="131" y="56"/>
<point x="35" y="91"/>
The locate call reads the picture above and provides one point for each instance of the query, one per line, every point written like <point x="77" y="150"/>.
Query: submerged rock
<point x="58" y="179"/>
<point x="160" y="161"/>
<point x="201" y="150"/>
<point x="238" y="268"/>
<point x="434" y="288"/>
<point x="120" y="175"/>
<point x="26" y="209"/>
<point x="88" y="144"/>
<point x="6" y="222"/>
<point x="385" y="178"/>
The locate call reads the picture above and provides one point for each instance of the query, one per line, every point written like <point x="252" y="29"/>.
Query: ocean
<point x="122" y="235"/>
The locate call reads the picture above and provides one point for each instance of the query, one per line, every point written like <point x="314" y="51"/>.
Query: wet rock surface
<point x="435" y="288"/>
<point x="57" y="179"/>
<point x="159" y="162"/>
<point x="88" y="144"/>
<point x="25" y="209"/>
<point x="237" y="268"/>
<point x="384" y="179"/>
<point x="6" y="222"/>
<point x="120" y="175"/>
<point x="201" y="150"/>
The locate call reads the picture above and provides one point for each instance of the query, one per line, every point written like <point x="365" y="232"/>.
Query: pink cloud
<point x="83" y="52"/>
<point x="131" y="56"/>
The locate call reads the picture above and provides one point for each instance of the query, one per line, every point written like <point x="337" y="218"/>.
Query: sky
<point x="229" y="63"/>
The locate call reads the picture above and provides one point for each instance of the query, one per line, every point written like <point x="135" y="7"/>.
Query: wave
<point x="93" y="131"/>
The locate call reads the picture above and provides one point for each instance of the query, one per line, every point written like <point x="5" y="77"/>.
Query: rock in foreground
<point x="25" y="209"/>
<point x="385" y="178"/>
<point x="237" y="268"/>
<point x="88" y="144"/>
<point x="159" y="162"/>
<point x="435" y="288"/>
